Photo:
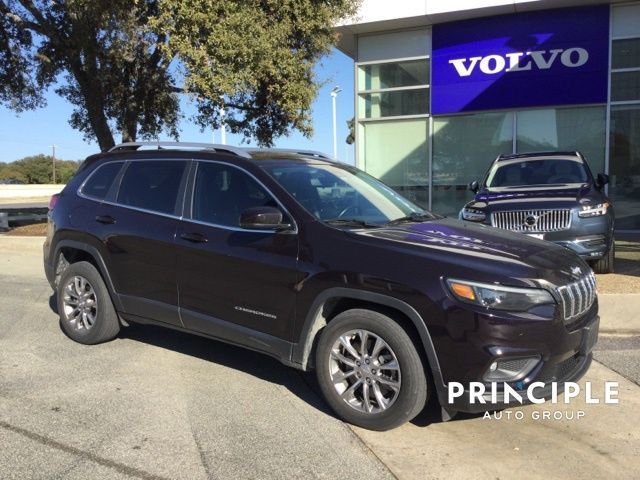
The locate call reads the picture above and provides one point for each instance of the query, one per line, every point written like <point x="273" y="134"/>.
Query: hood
<point x="481" y="251"/>
<point x="551" y="195"/>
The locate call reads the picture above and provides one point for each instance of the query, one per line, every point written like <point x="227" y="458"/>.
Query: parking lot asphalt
<point x="153" y="403"/>
<point x="160" y="404"/>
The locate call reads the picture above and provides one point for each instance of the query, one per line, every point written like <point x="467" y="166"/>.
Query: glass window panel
<point x="625" y="53"/>
<point x="625" y="86"/>
<point x="581" y="129"/>
<point x="394" y="103"/>
<point x="624" y="166"/>
<point x="463" y="148"/>
<point x="397" y="153"/>
<point x="152" y="185"/>
<point x="401" y="44"/>
<point x="100" y="181"/>
<point x="390" y="75"/>
<point x="222" y="193"/>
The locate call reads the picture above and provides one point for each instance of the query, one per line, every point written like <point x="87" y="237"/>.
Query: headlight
<point x="473" y="215"/>
<point x="594" y="210"/>
<point x="499" y="297"/>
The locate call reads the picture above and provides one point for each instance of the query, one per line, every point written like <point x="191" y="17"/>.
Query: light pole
<point x="223" y="129"/>
<point x="334" y="94"/>
<point x="53" y="162"/>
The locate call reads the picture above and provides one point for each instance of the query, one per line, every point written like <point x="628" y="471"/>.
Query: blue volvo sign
<point x="552" y="57"/>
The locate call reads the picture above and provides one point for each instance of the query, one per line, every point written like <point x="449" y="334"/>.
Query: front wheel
<point x="605" y="264"/>
<point x="370" y="371"/>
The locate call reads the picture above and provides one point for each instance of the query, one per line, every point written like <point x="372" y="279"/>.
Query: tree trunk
<point x="95" y="110"/>
<point x="130" y="129"/>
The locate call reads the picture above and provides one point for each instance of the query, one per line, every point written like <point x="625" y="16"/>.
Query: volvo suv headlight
<point x="499" y="297"/>
<point x="593" y="210"/>
<point x="473" y="215"/>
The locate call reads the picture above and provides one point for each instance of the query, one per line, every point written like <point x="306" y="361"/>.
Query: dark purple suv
<point x="320" y="266"/>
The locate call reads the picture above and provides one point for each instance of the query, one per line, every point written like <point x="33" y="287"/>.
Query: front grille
<point x="538" y="221"/>
<point x="577" y="297"/>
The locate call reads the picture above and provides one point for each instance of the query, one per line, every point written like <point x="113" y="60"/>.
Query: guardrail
<point x="13" y="216"/>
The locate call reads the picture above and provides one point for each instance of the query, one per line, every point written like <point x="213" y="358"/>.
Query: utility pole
<point x="53" y="162"/>
<point x="334" y="94"/>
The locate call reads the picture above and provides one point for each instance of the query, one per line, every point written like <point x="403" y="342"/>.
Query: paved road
<point x="159" y="404"/>
<point x="621" y="353"/>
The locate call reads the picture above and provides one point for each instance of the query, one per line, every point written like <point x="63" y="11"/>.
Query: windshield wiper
<point x="416" y="217"/>
<point x="351" y="222"/>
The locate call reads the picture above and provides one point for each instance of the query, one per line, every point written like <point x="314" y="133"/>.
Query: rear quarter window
<point x="99" y="182"/>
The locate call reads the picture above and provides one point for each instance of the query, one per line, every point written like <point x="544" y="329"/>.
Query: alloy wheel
<point x="80" y="303"/>
<point x="365" y="371"/>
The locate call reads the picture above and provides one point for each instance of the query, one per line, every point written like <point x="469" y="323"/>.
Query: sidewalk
<point x="604" y="443"/>
<point x="619" y="312"/>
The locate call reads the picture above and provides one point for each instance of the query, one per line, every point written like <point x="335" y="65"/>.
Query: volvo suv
<point x="321" y="266"/>
<point x="551" y="196"/>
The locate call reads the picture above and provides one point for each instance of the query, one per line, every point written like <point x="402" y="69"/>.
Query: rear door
<point x="229" y="276"/>
<point x="140" y="227"/>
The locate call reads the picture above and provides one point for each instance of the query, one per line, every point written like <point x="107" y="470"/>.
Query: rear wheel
<point x="84" y="305"/>
<point x="605" y="264"/>
<point x="370" y="371"/>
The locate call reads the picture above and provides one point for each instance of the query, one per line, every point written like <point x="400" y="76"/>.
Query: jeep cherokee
<point x="321" y="266"/>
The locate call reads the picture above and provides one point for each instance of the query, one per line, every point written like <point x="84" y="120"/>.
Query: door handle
<point x="105" y="219"/>
<point x="194" y="237"/>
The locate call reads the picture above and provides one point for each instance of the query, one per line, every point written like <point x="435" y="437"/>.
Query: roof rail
<point x="309" y="153"/>
<point x="241" y="152"/>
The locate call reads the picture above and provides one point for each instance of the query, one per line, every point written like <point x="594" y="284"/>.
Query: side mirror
<point x="262" y="218"/>
<point x="602" y="180"/>
<point x="474" y="186"/>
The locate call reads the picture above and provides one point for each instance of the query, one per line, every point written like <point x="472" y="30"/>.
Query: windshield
<point x="332" y="192"/>
<point x="536" y="171"/>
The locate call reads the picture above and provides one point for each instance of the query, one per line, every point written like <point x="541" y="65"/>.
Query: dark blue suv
<point x="551" y="196"/>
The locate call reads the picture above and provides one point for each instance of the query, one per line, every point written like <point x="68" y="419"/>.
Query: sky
<point x="33" y="132"/>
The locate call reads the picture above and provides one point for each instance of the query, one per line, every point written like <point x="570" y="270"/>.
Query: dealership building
<point x="444" y="86"/>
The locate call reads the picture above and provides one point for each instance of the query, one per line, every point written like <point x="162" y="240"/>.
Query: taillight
<point x="53" y="201"/>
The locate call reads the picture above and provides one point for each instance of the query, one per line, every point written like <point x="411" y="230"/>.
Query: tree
<point x="38" y="169"/>
<point x="123" y="63"/>
<point x="351" y="138"/>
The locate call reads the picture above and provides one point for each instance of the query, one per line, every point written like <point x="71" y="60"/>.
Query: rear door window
<point x="98" y="184"/>
<point x="152" y="185"/>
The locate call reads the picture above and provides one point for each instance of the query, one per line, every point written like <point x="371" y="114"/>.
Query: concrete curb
<point x="619" y="312"/>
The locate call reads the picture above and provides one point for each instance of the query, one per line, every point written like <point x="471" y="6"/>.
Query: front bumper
<point x="589" y="237"/>
<point x="565" y="353"/>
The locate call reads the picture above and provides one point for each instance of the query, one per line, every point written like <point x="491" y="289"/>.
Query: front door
<point x="229" y="276"/>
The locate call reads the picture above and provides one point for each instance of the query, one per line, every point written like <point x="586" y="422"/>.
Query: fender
<point x="102" y="267"/>
<point x="315" y="321"/>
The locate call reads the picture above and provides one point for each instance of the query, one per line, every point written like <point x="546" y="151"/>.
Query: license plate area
<point x="539" y="236"/>
<point x="590" y="337"/>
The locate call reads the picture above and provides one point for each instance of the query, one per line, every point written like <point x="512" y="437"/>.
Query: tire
<point x="605" y="264"/>
<point x="402" y="391"/>
<point x="81" y="289"/>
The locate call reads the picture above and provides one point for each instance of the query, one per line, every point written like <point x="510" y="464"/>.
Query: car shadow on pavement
<point x="302" y="384"/>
